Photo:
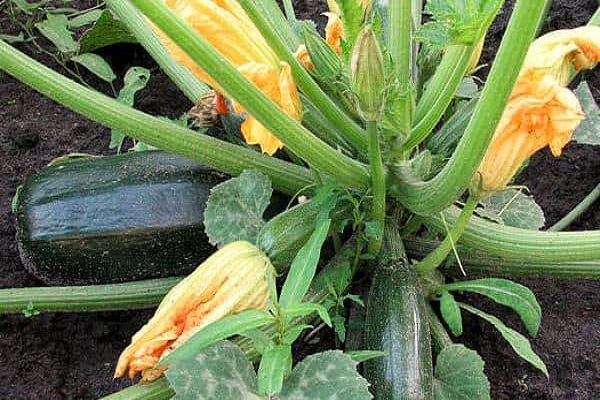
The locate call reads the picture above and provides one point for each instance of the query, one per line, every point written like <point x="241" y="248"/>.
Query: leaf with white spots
<point x="219" y="371"/>
<point x="326" y="376"/>
<point x="235" y="208"/>
<point x="513" y="208"/>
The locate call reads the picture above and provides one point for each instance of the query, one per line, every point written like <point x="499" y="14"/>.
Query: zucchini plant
<point x="403" y="164"/>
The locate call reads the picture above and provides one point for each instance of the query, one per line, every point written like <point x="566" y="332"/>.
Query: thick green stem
<point x="439" y="336"/>
<point x="450" y="183"/>
<point x="480" y="263"/>
<point x="191" y="86"/>
<point x="577" y="211"/>
<point x="523" y="244"/>
<point x="399" y="43"/>
<point x="271" y="11"/>
<point x="302" y="142"/>
<point x="156" y="390"/>
<point x="226" y="157"/>
<point x="436" y="257"/>
<point x="377" y="184"/>
<point x="119" y="296"/>
<point x="354" y="133"/>
<point x="439" y="93"/>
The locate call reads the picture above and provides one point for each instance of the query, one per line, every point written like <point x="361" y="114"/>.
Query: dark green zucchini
<point x="113" y="219"/>
<point x="397" y="324"/>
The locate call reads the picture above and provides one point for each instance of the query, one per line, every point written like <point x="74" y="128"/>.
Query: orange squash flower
<point x="540" y="111"/>
<point x="227" y="27"/>
<point x="334" y="32"/>
<point x="232" y="280"/>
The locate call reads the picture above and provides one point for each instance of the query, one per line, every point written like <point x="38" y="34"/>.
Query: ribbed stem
<point x="119" y="296"/>
<point x="523" y="244"/>
<point x="156" y="390"/>
<point x="226" y="157"/>
<point x="439" y="93"/>
<point x="300" y="140"/>
<point x="436" y="257"/>
<point x="377" y="184"/>
<point x="577" y="211"/>
<point x="354" y="133"/>
<point x="480" y="263"/>
<point x="450" y="183"/>
<point x="191" y="86"/>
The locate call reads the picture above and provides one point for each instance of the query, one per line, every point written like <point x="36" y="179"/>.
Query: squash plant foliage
<point x="404" y="162"/>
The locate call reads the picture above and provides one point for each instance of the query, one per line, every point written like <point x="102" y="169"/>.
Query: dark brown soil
<point x="72" y="356"/>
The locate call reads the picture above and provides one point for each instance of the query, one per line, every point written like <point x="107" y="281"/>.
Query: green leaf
<point x="106" y="31"/>
<point x="136" y="78"/>
<point x="27" y="7"/>
<point x="97" y="65"/>
<point x="85" y="18"/>
<point x="588" y="132"/>
<point x="467" y="89"/>
<point x="508" y="293"/>
<point x="294" y="332"/>
<point x="518" y="342"/>
<point x="364" y="355"/>
<point x="451" y="313"/>
<point x="303" y="309"/>
<point x="514" y="208"/>
<point x="12" y="39"/>
<point x="304" y="267"/>
<point x="235" y="208"/>
<point x="352" y="15"/>
<point x="219" y="371"/>
<point x="275" y="364"/>
<point x="55" y="28"/>
<point x="324" y="376"/>
<point x="260" y="340"/>
<point x="457" y="21"/>
<point x="459" y="375"/>
<point x="339" y="326"/>
<point x="219" y="330"/>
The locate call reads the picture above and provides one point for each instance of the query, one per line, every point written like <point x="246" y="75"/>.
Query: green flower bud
<point x="368" y="75"/>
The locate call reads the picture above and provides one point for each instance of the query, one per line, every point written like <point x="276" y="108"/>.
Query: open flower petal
<point x="541" y="111"/>
<point x="227" y="27"/>
<point x="334" y="31"/>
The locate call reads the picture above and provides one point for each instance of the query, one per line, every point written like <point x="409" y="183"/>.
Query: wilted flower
<point x="232" y="280"/>
<point x="226" y="26"/>
<point x="540" y="111"/>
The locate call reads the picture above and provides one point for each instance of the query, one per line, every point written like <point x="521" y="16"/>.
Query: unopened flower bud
<point x="368" y="75"/>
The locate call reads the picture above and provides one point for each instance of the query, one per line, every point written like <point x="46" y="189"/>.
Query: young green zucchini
<point x="113" y="219"/>
<point x="397" y="324"/>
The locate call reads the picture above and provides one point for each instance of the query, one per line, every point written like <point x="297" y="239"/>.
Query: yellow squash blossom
<point x="334" y="32"/>
<point x="232" y="280"/>
<point x="227" y="27"/>
<point x="540" y="111"/>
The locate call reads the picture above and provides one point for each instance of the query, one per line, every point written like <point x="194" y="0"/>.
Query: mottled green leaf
<point x="326" y="376"/>
<point x="459" y="375"/>
<point x="219" y="371"/>
<point x="55" y="28"/>
<point x="588" y="132"/>
<point x="275" y="364"/>
<point x="451" y="313"/>
<point x="97" y="65"/>
<point x="508" y="293"/>
<point x="514" y="208"/>
<point x="235" y="208"/>
<point x="518" y="342"/>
